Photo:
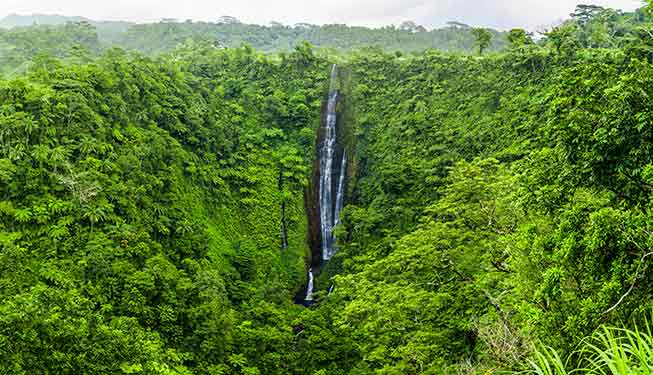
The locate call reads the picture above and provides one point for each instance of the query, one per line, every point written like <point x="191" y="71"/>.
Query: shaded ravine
<point x="326" y="197"/>
<point x="327" y="156"/>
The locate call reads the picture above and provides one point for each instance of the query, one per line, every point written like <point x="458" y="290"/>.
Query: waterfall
<point x="340" y="195"/>
<point x="309" y="290"/>
<point x="327" y="154"/>
<point x="328" y="187"/>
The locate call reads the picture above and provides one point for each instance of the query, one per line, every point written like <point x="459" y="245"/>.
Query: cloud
<point x="493" y="13"/>
<point x="505" y="14"/>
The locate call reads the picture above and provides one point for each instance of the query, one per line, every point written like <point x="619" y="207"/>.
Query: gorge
<point x="178" y="214"/>
<point x="331" y="173"/>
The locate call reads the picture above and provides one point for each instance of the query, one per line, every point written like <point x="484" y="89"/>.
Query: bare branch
<point x="632" y="285"/>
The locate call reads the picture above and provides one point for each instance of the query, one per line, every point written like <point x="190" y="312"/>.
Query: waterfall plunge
<point x="340" y="195"/>
<point x="329" y="212"/>
<point x="329" y="209"/>
<point x="309" y="288"/>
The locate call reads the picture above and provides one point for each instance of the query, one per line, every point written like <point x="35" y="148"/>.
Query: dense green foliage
<point x="501" y="200"/>
<point x="500" y="208"/>
<point x="610" y="351"/>
<point x="165" y="36"/>
<point x="21" y="47"/>
<point x="141" y="210"/>
<point x="107" y="30"/>
<point x="17" y="20"/>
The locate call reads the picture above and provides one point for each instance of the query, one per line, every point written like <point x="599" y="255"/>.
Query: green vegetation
<point x="500" y="214"/>
<point x="22" y="47"/>
<point x="16" y="20"/>
<point x="165" y="36"/>
<point x="141" y="211"/>
<point x="483" y="39"/>
<point x="610" y="351"/>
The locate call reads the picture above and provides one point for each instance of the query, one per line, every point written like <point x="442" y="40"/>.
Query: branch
<point x="632" y="285"/>
<point x="500" y="267"/>
<point x="495" y="303"/>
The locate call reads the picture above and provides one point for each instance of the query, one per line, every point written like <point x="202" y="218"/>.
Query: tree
<point x="585" y="13"/>
<point x="648" y="7"/>
<point x="563" y="38"/>
<point x="228" y="20"/>
<point x="519" y="38"/>
<point x="411" y="26"/>
<point x="457" y="25"/>
<point x="483" y="39"/>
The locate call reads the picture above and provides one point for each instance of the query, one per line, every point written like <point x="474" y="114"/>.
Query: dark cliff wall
<point x="345" y="131"/>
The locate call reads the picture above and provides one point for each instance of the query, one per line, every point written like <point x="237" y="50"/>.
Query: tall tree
<point x="518" y="38"/>
<point x="483" y="39"/>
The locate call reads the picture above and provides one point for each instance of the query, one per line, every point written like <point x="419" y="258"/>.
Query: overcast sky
<point x="491" y="13"/>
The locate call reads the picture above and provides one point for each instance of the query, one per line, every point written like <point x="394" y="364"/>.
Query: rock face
<point x="330" y="208"/>
<point x="325" y="199"/>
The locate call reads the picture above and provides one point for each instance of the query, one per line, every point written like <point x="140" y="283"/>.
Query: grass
<point x="611" y="351"/>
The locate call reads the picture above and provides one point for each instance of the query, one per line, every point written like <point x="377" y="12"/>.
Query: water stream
<point x="330" y="210"/>
<point x="329" y="187"/>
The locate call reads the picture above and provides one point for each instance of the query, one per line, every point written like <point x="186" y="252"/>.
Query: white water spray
<point x="328" y="211"/>
<point x="309" y="288"/>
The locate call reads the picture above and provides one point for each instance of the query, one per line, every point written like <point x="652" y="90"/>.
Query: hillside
<point x="17" y="20"/>
<point x="164" y="36"/>
<point x="145" y="222"/>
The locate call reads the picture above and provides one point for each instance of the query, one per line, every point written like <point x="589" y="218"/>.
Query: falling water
<point x="309" y="290"/>
<point x="329" y="209"/>
<point x="340" y="193"/>
<point x="327" y="155"/>
<point x="341" y="190"/>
